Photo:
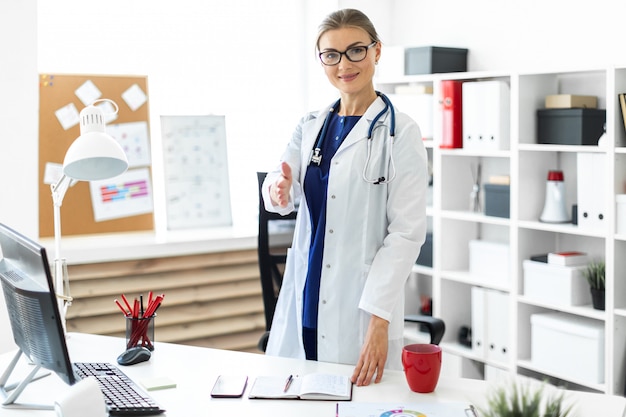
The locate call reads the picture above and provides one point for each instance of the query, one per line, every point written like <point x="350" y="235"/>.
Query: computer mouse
<point x="134" y="355"/>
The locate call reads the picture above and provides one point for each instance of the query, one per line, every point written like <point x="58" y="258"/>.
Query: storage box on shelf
<point x="555" y="284"/>
<point x="568" y="346"/>
<point x="570" y="126"/>
<point x="497" y="200"/>
<point x="434" y="59"/>
<point x="489" y="262"/>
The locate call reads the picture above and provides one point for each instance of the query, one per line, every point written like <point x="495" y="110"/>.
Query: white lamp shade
<point x="94" y="155"/>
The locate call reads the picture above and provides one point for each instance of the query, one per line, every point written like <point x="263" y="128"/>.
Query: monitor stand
<point x="17" y="388"/>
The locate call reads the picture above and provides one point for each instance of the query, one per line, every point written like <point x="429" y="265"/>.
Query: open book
<point x="316" y="386"/>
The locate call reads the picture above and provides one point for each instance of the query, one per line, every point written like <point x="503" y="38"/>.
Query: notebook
<point x="315" y="386"/>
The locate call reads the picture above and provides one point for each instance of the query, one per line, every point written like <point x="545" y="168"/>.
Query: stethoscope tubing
<point x="316" y="156"/>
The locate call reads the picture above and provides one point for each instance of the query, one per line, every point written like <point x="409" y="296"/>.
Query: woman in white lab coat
<point x="360" y="222"/>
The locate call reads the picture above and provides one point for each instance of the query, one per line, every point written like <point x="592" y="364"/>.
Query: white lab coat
<point x="373" y="237"/>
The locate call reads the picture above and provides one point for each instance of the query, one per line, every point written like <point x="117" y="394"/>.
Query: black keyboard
<point x="122" y="396"/>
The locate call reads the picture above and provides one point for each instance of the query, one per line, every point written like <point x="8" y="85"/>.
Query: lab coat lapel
<point x="310" y="130"/>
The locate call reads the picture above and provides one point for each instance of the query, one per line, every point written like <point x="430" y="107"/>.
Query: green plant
<point x="594" y="273"/>
<point x="522" y="401"/>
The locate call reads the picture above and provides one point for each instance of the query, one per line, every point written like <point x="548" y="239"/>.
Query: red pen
<point x="126" y="302"/>
<point x="136" y="309"/>
<point x="121" y="308"/>
<point x="154" y="305"/>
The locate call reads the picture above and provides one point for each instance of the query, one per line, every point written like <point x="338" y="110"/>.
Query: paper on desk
<point x="426" y="409"/>
<point x="158" y="382"/>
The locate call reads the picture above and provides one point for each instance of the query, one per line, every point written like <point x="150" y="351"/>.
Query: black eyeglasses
<point x="354" y="54"/>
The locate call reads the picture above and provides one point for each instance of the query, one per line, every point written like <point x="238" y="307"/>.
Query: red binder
<point x="452" y="114"/>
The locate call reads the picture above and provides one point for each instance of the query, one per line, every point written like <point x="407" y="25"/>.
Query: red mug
<point x="422" y="365"/>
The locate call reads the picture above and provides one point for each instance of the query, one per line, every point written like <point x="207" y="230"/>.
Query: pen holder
<point x="140" y="332"/>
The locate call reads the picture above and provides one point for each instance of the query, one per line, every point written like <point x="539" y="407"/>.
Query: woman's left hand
<point x="373" y="353"/>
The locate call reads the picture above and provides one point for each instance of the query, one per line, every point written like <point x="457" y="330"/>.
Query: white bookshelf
<point x="449" y="281"/>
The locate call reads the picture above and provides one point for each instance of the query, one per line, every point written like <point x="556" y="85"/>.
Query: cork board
<point x="59" y="92"/>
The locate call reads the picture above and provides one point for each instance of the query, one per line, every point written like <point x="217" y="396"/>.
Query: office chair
<point x="272" y="263"/>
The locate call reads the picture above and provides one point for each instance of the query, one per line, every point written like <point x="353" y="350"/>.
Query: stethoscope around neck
<point x="316" y="156"/>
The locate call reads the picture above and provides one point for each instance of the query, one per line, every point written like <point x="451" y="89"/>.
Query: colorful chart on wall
<point x="195" y="162"/>
<point x="120" y="204"/>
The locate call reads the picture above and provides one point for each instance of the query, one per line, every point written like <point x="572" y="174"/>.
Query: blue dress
<point x="315" y="190"/>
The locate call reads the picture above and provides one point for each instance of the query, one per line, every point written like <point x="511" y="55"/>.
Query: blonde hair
<point x="347" y="18"/>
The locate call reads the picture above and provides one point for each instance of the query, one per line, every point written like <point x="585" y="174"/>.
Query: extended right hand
<point x="279" y="191"/>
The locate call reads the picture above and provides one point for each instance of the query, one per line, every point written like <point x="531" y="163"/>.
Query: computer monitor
<point x="33" y="309"/>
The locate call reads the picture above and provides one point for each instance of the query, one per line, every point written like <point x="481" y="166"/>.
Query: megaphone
<point x="554" y="210"/>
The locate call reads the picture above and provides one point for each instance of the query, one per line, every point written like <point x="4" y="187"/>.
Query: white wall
<point x="511" y="35"/>
<point x="242" y="59"/>
<point x="18" y="127"/>
<point x="18" y="115"/>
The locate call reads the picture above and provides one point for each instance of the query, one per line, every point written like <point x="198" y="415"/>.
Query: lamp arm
<point x="61" y="280"/>
<point x="58" y="193"/>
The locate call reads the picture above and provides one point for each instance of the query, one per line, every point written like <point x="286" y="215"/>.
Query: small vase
<point x="597" y="298"/>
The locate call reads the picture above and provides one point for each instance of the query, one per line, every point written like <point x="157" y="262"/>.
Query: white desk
<point x="196" y="369"/>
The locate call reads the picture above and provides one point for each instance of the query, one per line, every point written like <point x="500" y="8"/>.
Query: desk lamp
<point x="93" y="156"/>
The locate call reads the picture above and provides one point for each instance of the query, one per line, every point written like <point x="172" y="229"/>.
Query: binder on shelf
<point x="486" y="114"/>
<point x="622" y="105"/>
<point x="490" y="322"/>
<point x="591" y="190"/>
<point x="451" y="114"/>
<point x="478" y="310"/>
<point x="497" y="318"/>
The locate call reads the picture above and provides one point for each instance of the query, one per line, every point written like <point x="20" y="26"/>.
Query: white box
<point x="489" y="262"/>
<point x="569" y="346"/>
<point x="556" y="284"/>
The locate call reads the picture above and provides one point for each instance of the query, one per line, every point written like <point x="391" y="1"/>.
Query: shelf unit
<point x="449" y="281"/>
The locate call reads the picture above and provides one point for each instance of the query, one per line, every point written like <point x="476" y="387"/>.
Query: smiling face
<point x="352" y="79"/>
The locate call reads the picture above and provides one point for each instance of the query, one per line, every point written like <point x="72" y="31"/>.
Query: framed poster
<point x="195" y="163"/>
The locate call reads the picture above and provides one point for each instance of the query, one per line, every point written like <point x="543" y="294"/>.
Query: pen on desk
<point x="288" y="383"/>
